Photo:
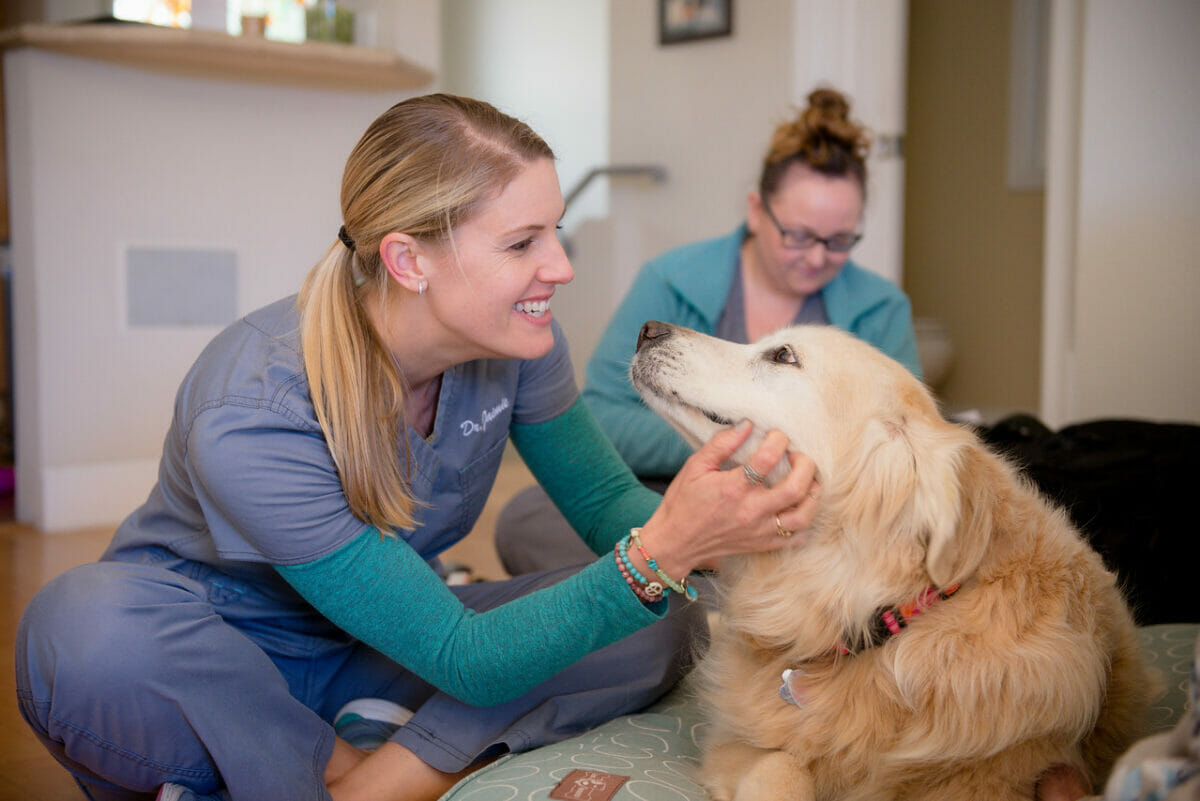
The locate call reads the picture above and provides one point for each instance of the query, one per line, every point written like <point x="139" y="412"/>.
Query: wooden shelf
<point x="212" y="54"/>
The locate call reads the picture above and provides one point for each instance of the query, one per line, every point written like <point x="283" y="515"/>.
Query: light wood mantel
<point x="213" y="54"/>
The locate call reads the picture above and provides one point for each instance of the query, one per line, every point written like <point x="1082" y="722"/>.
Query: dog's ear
<point x="957" y="502"/>
<point x="916" y="480"/>
<point x="874" y="478"/>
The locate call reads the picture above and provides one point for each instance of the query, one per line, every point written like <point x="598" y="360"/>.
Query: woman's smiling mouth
<point x="534" y="308"/>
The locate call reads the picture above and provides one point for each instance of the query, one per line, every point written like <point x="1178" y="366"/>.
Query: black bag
<point x="1131" y="487"/>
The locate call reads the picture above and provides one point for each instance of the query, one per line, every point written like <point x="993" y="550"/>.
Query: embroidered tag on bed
<point x="588" y="785"/>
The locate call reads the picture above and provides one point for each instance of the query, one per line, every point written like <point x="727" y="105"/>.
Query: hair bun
<point x="822" y="135"/>
<point x="829" y="104"/>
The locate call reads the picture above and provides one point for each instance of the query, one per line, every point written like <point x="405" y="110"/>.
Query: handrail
<point x="652" y="171"/>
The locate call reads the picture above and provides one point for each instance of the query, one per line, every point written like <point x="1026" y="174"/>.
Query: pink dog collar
<point x="892" y="620"/>
<point x="885" y="623"/>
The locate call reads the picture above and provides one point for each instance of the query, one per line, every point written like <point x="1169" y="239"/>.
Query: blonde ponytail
<point x="356" y="392"/>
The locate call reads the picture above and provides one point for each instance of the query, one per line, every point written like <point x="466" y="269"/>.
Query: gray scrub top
<point x="246" y="479"/>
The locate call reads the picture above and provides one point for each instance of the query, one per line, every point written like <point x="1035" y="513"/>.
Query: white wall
<point x="1123" y="257"/>
<point x="1138" y="281"/>
<point x="703" y="110"/>
<point x="408" y="27"/>
<point x="546" y="63"/>
<point x="101" y="158"/>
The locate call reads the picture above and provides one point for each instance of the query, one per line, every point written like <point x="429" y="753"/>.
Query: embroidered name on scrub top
<point x="469" y="427"/>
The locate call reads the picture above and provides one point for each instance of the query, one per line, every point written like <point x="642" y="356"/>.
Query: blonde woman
<point x="323" y="451"/>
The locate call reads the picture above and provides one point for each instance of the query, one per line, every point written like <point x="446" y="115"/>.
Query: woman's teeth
<point x="534" y="308"/>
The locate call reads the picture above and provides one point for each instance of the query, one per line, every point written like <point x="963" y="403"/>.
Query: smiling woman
<point x="324" y="451"/>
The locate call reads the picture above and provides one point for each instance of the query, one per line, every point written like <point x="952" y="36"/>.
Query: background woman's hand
<point x="708" y="513"/>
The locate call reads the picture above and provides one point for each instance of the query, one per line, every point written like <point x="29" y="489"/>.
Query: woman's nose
<point x="558" y="269"/>
<point x="816" y="254"/>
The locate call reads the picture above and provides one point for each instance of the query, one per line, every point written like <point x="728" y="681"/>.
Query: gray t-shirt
<point x="731" y="325"/>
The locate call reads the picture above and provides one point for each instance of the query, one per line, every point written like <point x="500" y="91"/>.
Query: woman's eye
<point x="523" y="244"/>
<point x="784" y="355"/>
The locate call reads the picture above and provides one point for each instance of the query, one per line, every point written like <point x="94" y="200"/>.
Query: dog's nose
<point x="652" y="330"/>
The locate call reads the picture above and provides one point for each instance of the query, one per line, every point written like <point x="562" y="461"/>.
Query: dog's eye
<point x="784" y="355"/>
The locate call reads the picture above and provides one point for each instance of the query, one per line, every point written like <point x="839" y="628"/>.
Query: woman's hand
<point x="708" y="513"/>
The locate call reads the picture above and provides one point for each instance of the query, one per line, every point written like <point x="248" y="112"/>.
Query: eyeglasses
<point x="803" y="239"/>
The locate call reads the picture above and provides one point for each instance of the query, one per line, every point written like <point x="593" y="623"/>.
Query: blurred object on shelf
<point x="254" y="27"/>
<point x="167" y="13"/>
<point x="281" y="20"/>
<point x="286" y="19"/>
<point x="326" y="22"/>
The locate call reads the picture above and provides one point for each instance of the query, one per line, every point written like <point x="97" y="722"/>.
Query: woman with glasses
<point x="789" y="262"/>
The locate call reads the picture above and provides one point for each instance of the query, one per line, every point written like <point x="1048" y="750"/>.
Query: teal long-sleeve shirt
<point x="688" y="286"/>
<point x="379" y="590"/>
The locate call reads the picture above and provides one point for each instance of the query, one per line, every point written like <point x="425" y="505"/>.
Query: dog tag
<point x="790" y="689"/>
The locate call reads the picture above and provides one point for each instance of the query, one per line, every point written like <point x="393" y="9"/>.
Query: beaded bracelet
<point x="638" y="590"/>
<point x="652" y="588"/>
<point x="681" y="587"/>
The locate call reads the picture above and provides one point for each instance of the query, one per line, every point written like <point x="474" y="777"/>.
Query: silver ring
<point x="753" y="476"/>
<point x="780" y="530"/>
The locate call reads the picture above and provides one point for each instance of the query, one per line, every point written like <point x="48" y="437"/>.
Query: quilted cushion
<point x="658" y="749"/>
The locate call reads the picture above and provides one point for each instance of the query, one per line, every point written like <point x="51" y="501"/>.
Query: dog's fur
<point x="1034" y="661"/>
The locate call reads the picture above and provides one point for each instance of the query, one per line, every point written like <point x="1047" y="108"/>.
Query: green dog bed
<point x="656" y="751"/>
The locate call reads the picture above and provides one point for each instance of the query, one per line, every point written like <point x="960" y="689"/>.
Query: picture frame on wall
<point x="688" y="20"/>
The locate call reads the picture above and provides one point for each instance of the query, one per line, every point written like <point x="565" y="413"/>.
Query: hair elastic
<point x="346" y="240"/>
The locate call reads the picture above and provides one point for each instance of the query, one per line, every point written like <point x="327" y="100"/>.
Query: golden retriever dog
<point x="948" y="632"/>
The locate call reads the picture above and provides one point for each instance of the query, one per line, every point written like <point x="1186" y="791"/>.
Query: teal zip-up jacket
<point x="688" y="286"/>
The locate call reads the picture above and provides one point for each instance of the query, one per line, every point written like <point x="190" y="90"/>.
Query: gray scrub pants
<point x="133" y="675"/>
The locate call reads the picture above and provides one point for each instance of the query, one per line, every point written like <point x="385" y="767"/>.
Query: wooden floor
<point x="28" y="559"/>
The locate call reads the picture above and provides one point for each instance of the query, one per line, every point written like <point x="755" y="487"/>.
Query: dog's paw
<point x="775" y="776"/>
<point x="719" y="787"/>
<point x="739" y="772"/>
<point x="724" y="765"/>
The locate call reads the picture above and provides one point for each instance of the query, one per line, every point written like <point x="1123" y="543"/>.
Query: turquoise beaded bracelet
<point x="681" y="587"/>
<point x="651" y="588"/>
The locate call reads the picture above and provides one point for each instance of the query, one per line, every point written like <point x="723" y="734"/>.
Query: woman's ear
<point x="753" y="211"/>
<point x="401" y="258"/>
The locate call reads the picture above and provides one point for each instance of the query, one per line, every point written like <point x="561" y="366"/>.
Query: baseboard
<point x="91" y="495"/>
